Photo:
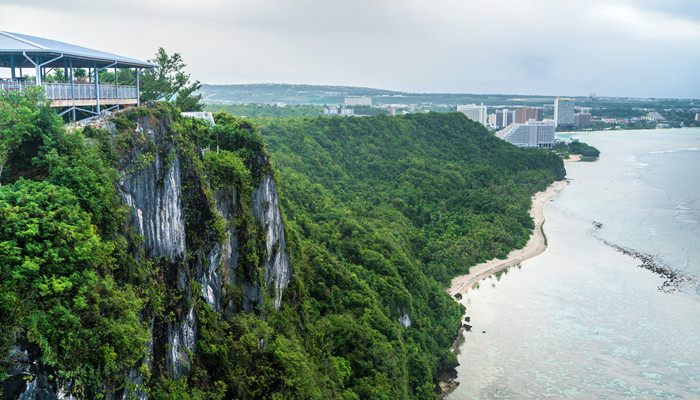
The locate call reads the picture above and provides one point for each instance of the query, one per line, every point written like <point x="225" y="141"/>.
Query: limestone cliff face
<point x="173" y="215"/>
<point x="266" y="210"/>
<point x="171" y="209"/>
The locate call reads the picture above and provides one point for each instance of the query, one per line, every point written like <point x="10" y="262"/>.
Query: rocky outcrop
<point x="174" y="221"/>
<point x="153" y="194"/>
<point x="267" y="212"/>
<point x="171" y="209"/>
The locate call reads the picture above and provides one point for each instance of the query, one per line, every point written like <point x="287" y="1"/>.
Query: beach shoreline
<point x="535" y="246"/>
<point x="573" y="158"/>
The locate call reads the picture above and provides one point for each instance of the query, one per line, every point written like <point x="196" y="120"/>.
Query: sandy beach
<point x="536" y="245"/>
<point x="572" y="158"/>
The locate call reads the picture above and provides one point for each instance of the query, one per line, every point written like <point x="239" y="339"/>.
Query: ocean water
<point x="583" y="320"/>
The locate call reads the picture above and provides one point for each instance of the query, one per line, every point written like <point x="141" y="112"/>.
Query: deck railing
<point x="82" y="91"/>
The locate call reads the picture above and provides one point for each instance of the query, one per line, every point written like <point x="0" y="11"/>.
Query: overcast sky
<point x="638" y="48"/>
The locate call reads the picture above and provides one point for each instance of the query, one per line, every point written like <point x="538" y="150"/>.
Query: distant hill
<point x="284" y="100"/>
<point x="334" y="95"/>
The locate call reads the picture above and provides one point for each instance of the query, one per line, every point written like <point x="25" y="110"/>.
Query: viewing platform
<point x="80" y="94"/>
<point x="74" y="78"/>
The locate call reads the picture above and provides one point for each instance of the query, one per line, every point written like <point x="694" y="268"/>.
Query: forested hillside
<point x="402" y="204"/>
<point x="440" y="185"/>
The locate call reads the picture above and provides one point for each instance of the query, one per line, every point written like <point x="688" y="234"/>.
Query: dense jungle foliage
<point x="68" y="284"/>
<point x="440" y="186"/>
<point x="404" y="204"/>
<point x="380" y="213"/>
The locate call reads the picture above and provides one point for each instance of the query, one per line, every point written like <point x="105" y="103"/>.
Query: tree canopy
<point x="169" y="82"/>
<point x="18" y="110"/>
<point x="68" y="285"/>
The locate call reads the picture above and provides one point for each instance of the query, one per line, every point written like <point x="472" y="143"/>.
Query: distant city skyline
<point x="620" y="48"/>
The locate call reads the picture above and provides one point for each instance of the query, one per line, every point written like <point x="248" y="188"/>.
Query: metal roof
<point x="16" y="43"/>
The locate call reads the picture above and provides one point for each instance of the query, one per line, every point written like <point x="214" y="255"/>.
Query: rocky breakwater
<point x="674" y="280"/>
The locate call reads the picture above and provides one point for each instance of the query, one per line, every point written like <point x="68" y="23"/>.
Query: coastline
<point x="535" y="246"/>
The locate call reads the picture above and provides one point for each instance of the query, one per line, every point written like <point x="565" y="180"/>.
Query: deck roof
<point x="82" y="57"/>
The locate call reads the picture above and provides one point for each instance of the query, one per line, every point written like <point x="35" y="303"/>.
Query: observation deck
<point x="78" y="70"/>
<point x="65" y="94"/>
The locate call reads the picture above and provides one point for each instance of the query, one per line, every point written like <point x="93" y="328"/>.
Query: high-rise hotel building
<point x="524" y="114"/>
<point x="474" y="112"/>
<point x="530" y="134"/>
<point x="564" y="112"/>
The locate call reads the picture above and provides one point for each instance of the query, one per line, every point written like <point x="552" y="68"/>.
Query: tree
<point x="126" y="76"/>
<point x="58" y="75"/>
<point x="106" y="77"/>
<point x="79" y="73"/>
<point x="583" y="149"/>
<point x="169" y="82"/>
<point x="18" y="112"/>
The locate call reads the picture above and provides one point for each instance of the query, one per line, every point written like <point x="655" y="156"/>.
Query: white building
<point x="492" y="120"/>
<point x="206" y="115"/>
<point x="530" y="134"/>
<point x="358" y="101"/>
<point x="564" y="112"/>
<point x="504" y="118"/>
<point x="341" y="111"/>
<point x="474" y="112"/>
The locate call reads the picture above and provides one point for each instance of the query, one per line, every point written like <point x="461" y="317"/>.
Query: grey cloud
<point x="506" y="46"/>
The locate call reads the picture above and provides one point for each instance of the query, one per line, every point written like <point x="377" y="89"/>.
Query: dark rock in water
<point x="597" y="225"/>
<point x="467" y="319"/>
<point x="467" y="327"/>
<point x="458" y="296"/>
<point x="675" y="280"/>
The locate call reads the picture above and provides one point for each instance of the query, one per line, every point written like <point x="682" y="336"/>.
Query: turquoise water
<point x="582" y="320"/>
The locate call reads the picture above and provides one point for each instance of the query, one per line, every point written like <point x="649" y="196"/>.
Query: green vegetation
<point x="169" y="82"/>
<point x="637" y="124"/>
<point x="432" y="177"/>
<point x="387" y="210"/>
<point x="583" y="149"/>
<point x="380" y="213"/>
<point x="576" y="148"/>
<point x="296" y="110"/>
<point x="18" y="112"/>
<point x="322" y="94"/>
<point x="266" y="110"/>
<point x="67" y="281"/>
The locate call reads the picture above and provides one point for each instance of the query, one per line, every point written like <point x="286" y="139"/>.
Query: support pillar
<point x="72" y="88"/>
<point x="97" y="88"/>
<point x="138" y="88"/>
<point x="116" y="85"/>
<point x="37" y="81"/>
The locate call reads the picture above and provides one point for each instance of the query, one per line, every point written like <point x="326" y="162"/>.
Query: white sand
<point x="536" y="245"/>
<point x="573" y="158"/>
